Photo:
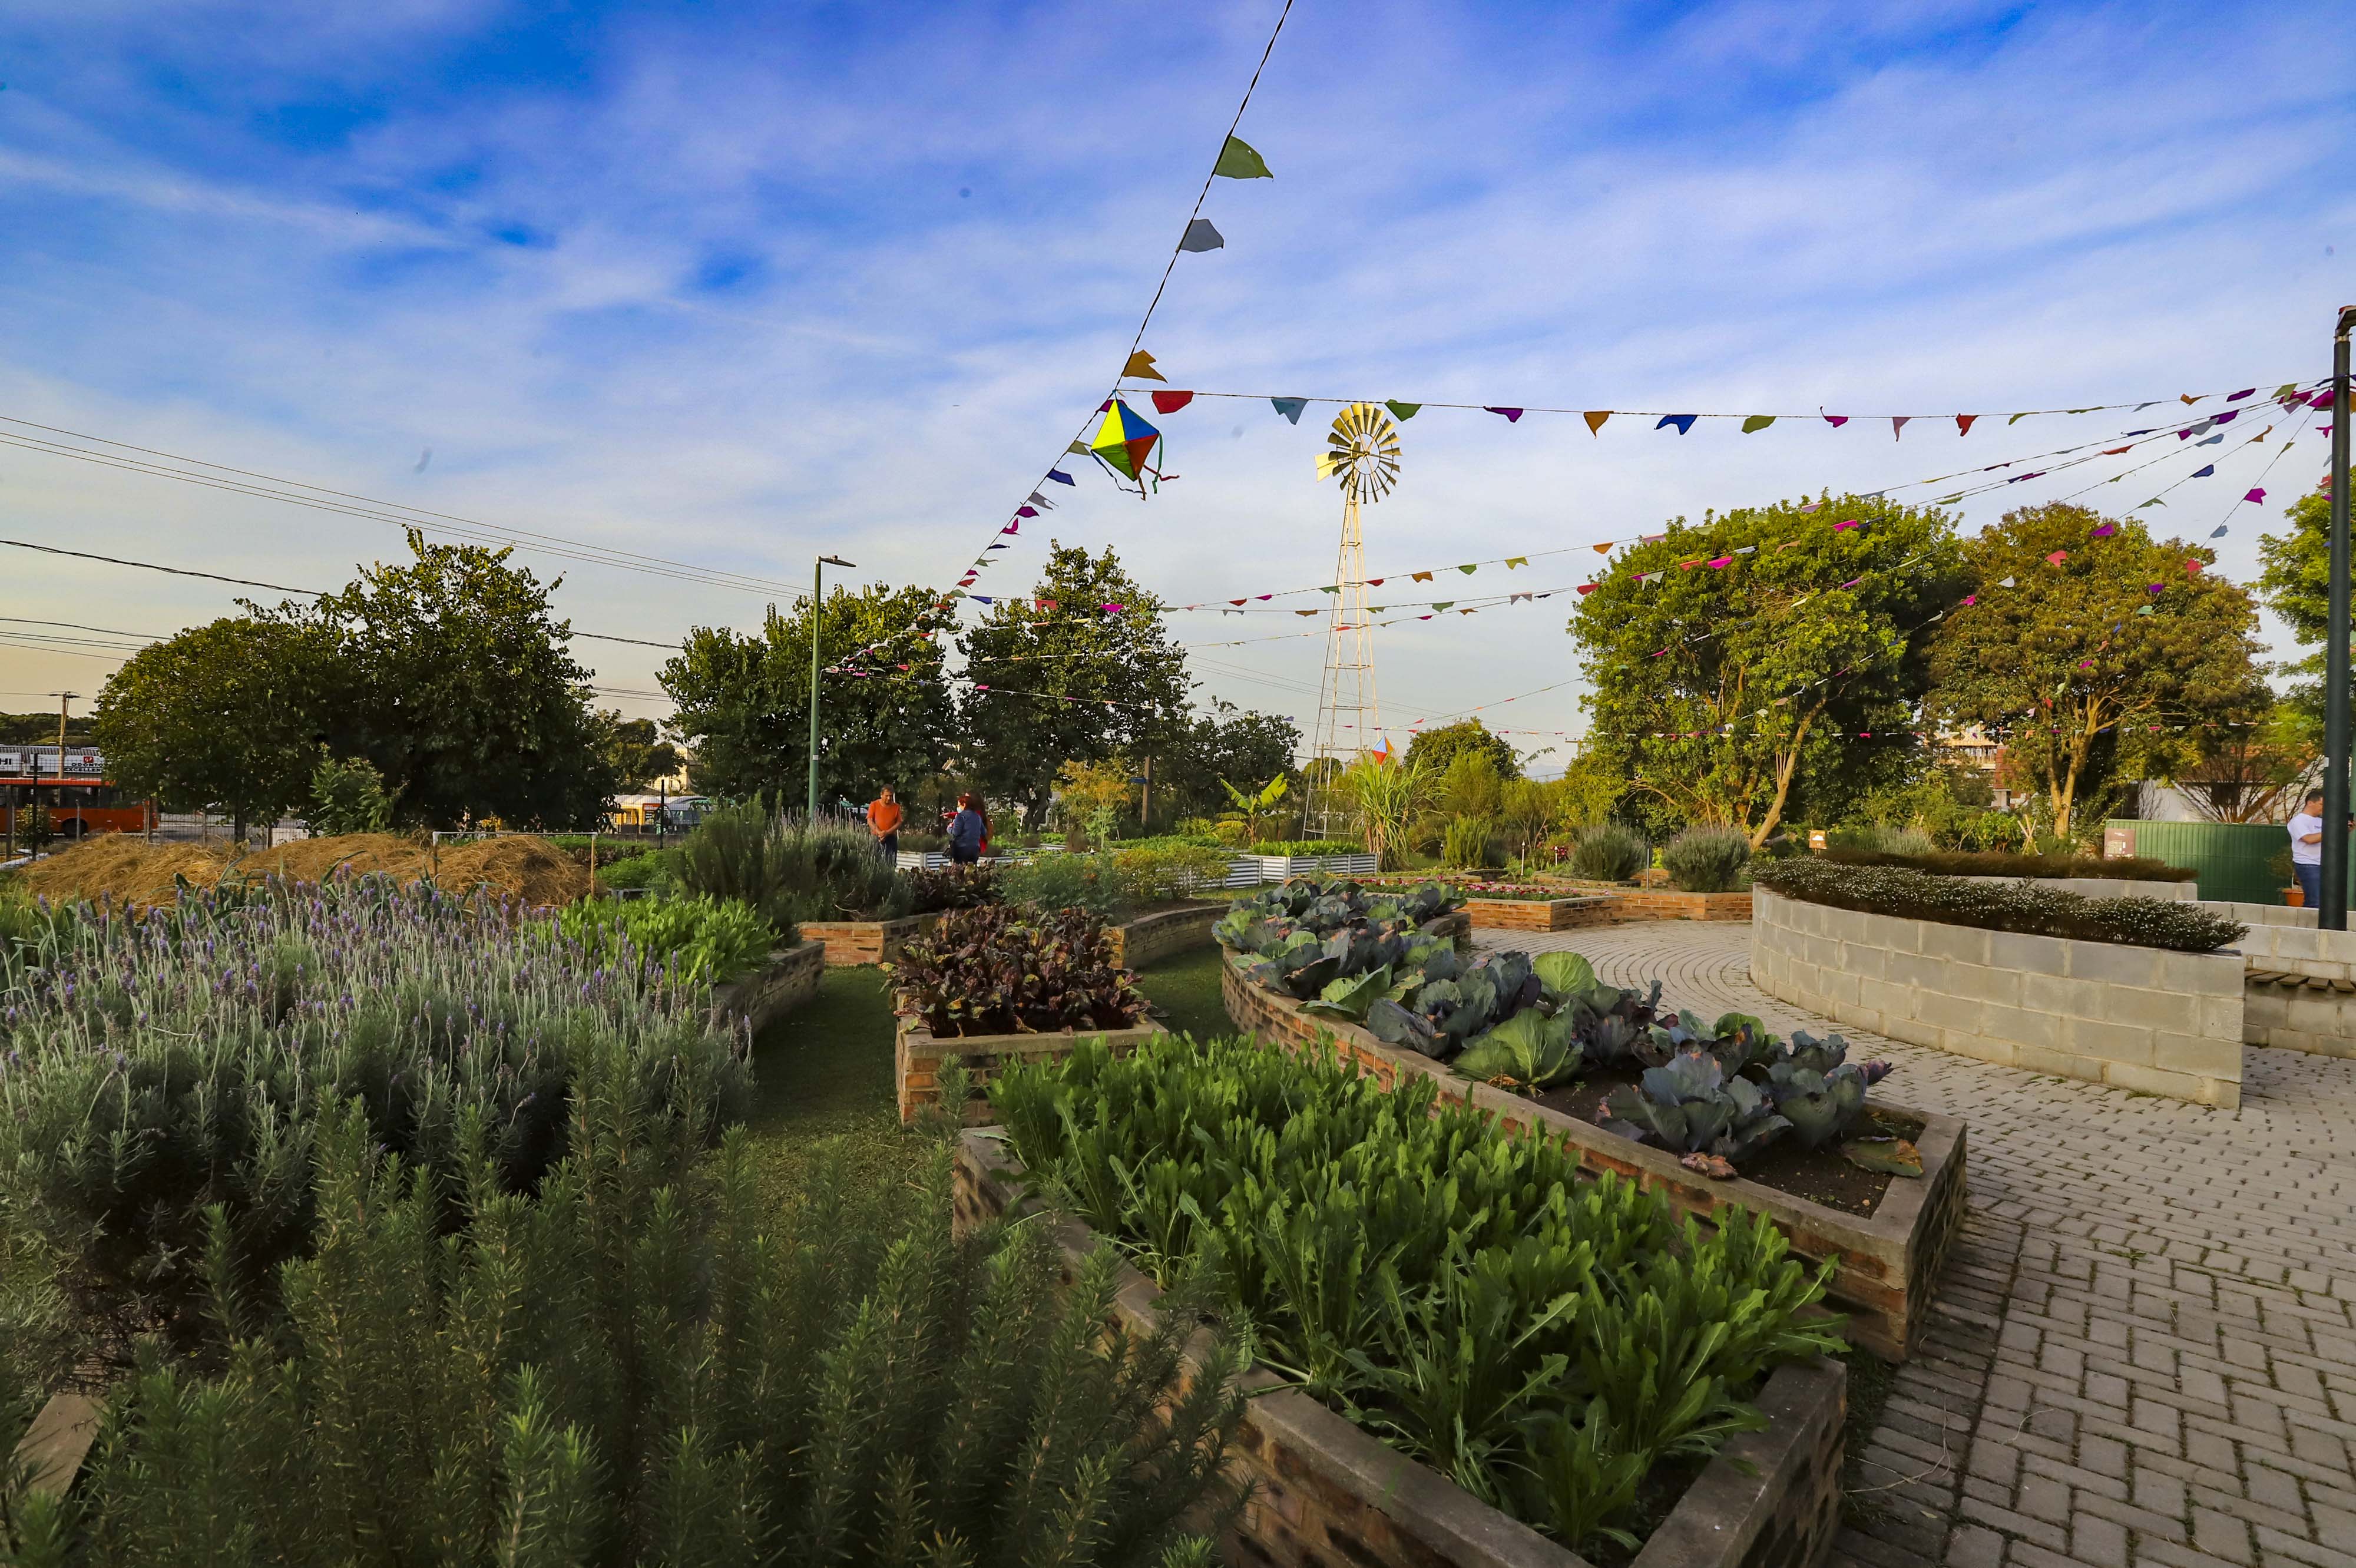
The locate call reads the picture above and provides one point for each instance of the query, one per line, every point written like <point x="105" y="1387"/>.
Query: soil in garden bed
<point x="1819" y="1175"/>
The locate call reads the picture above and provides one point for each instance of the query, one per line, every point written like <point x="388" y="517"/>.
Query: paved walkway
<point x="2144" y="1349"/>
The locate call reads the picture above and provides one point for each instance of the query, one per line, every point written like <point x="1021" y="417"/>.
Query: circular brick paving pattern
<point x="2144" y="1350"/>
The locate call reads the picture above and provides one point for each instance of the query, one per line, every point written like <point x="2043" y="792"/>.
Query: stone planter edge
<point x="1736" y="1500"/>
<point x="868" y="941"/>
<point x="1888" y="1261"/>
<point x="787" y="979"/>
<point x="911" y="1043"/>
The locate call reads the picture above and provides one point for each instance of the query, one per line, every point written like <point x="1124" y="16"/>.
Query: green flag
<point x="1757" y="421"/>
<point x="1238" y="160"/>
<point x="1402" y="411"/>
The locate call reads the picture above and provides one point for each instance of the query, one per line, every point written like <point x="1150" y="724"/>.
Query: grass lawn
<point x="822" y="1076"/>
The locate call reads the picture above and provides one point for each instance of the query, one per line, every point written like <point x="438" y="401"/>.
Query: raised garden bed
<point x="919" y="1057"/>
<point x="785" y="982"/>
<point x="1888" y="1262"/>
<point x="1670" y="904"/>
<point x="1154" y="936"/>
<point x="1561" y="913"/>
<point x="868" y="941"/>
<point x="1326" y="1492"/>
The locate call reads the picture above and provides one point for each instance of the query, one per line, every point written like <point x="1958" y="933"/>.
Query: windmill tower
<point x="1362" y="453"/>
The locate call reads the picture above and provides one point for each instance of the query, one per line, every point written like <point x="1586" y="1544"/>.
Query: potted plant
<point x="2278" y="864"/>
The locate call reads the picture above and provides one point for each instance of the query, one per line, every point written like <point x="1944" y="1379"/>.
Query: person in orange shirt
<point x="884" y="819"/>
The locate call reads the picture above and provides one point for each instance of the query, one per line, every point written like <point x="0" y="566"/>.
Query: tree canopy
<point x="1240" y="747"/>
<point x="1770" y="658"/>
<point x="1077" y="683"/>
<point x="1434" y="749"/>
<point x="743" y="701"/>
<point x="2112" y="661"/>
<point x="220" y="715"/>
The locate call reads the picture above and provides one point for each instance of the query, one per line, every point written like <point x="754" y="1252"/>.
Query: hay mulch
<point x="128" y="870"/>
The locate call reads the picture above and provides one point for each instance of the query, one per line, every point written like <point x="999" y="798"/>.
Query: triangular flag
<point x="1304" y="612"/>
<point x="1595" y="418"/>
<point x="1171" y="401"/>
<point x="1590" y="587"/>
<point x="983" y="599"/>
<point x="1423" y="577"/>
<point x="1898" y="425"/>
<point x="1964" y="424"/>
<point x="1514" y="561"/>
<point x="2213" y="441"/>
<point x="1061" y="478"/>
<point x="1289" y="407"/>
<point x="1812" y="506"/>
<point x="1402" y="411"/>
<point x="1239" y="160"/>
<point x="1439" y="604"/>
<point x="1852" y="523"/>
<point x="1201" y="236"/>
<point x="2188" y="400"/>
<point x="2254" y="496"/>
<point x="2016" y="418"/>
<point x="1757" y="421"/>
<point x="2006" y="583"/>
<point x="1470" y="569"/>
<point x="2057" y="557"/>
<point x="2104" y="531"/>
<point x="1026" y="512"/>
<point x="1333" y="589"/>
<point x="1605" y="548"/>
<point x="2204" y="472"/>
<point x="1721" y="562"/>
<point x="1684" y="422"/>
<point x="1837" y="420"/>
<point x="2217" y="532"/>
<point x="1374" y="582"/>
<point x="1510" y="414"/>
<point x="2192" y="565"/>
<point x="1140" y="367"/>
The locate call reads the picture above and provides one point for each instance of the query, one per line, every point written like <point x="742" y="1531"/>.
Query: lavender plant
<point x="156" y="1064"/>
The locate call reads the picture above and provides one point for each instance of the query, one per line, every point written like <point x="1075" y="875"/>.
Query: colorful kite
<point x="1124" y="440"/>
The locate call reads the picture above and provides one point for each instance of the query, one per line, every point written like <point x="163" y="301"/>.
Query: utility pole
<point x="2332" y="915"/>
<point x="63" y="699"/>
<point x="818" y="601"/>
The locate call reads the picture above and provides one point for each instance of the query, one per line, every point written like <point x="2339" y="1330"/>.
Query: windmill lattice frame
<point x="1362" y="455"/>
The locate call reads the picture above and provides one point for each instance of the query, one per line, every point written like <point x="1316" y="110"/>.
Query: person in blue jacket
<point x="968" y="831"/>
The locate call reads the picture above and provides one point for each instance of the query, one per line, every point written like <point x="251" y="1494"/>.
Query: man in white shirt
<point x="2307" y="848"/>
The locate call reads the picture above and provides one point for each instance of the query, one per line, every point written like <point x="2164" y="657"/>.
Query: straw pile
<point x="128" y="870"/>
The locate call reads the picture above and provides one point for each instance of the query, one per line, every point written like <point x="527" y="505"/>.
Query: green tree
<point x="1725" y="694"/>
<point x="41" y="730"/>
<point x="743" y="701"/>
<point x="636" y="750"/>
<point x="347" y="796"/>
<point x="1435" y="749"/>
<point x="218" y="716"/>
<point x="453" y="676"/>
<point x="2085" y="673"/>
<point x="1075" y="682"/>
<point x="1225" y="744"/>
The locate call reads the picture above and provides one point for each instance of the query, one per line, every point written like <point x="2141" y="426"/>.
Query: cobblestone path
<point x="2144" y="1349"/>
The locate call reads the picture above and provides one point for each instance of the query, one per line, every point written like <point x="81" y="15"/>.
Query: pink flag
<point x="1026" y="512"/>
<point x="1852" y="523"/>
<point x="2255" y="496"/>
<point x="1898" y="425"/>
<point x="1837" y="420"/>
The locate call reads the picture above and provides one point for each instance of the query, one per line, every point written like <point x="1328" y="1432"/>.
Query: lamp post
<point x="2332" y="915"/>
<point x="817" y="602"/>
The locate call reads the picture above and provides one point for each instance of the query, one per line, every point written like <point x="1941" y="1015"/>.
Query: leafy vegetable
<point x="1014" y="969"/>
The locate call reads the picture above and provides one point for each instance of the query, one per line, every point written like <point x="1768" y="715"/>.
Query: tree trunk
<point x="1786" y="765"/>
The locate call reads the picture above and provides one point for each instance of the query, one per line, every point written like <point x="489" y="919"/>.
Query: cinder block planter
<point x="789" y="979"/>
<point x="1888" y="1263"/>
<point x="1327" y="1492"/>
<point x="1155" y="937"/>
<point x="918" y="1056"/>
<point x="1561" y="914"/>
<point x="868" y="941"/>
<point x="2134" y="1017"/>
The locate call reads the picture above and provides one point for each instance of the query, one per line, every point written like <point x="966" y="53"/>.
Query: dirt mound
<point x="130" y="870"/>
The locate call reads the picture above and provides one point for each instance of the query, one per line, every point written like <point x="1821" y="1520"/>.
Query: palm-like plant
<point x="1387" y="795"/>
<point x="1255" y="812"/>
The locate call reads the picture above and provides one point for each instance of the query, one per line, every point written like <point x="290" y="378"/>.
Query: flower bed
<point x="1387" y="1298"/>
<point x="2001" y="905"/>
<point x="1886" y="1263"/>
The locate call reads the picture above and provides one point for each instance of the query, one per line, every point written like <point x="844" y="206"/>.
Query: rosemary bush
<point x="647" y="1363"/>
<point x="2001" y="905"/>
<point x="788" y="869"/>
<point x="1611" y="852"/>
<point x="1708" y="858"/>
<point x="152" y="1067"/>
<point x="1459" y="1290"/>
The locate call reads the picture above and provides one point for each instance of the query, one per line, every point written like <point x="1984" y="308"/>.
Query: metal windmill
<point x="1362" y="454"/>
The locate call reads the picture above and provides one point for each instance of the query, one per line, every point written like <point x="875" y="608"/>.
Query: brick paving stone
<point x="2143" y="1351"/>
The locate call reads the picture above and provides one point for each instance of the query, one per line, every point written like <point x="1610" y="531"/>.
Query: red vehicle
<point x="81" y="799"/>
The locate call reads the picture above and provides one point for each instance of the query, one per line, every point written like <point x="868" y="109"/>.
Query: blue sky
<point x="734" y="283"/>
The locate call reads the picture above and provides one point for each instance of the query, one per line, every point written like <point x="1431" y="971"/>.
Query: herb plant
<point x="705" y="940"/>
<point x="2002" y="906"/>
<point x="1457" y="1289"/>
<point x="1611" y="852"/>
<point x="1708" y="858"/>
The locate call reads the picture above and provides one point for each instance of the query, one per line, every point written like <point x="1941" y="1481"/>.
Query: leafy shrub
<point x="1299" y="847"/>
<point x="1874" y="839"/>
<point x="1707" y="858"/>
<point x="2001" y="905"/>
<point x="1611" y="852"/>
<point x="1002" y="969"/>
<point x="2040" y="867"/>
<point x="649" y="1362"/>
<point x="645" y="870"/>
<point x="1086" y="882"/>
<point x="694" y="940"/>
<point x="153" y="1067"/>
<point x="1458" y="1290"/>
<point x="787" y="869"/>
<point x="1467" y="842"/>
<point x="1161" y="873"/>
<point x="950" y="888"/>
<point x="348" y="796"/>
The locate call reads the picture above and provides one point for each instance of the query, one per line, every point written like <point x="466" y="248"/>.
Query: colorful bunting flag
<point x="1595" y="418"/>
<point x="1239" y="160"/>
<point x="2217" y="532"/>
<point x="2204" y="473"/>
<point x="1469" y="570"/>
<point x="1514" y="561"/>
<point x="2103" y="530"/>
<point x="1837" y="420"/>
<point x="1898" y="425"/>
<point x="1140" y="368"/>
<point x="1511" y="414"/>
<point x="2057" y="557"/>
<point x="1025" y="511"/>
<point x="1402" y="411"/>
<point x="1289" y="407"/>
<point x="1171" y="401"/>
<point x="1684" y="422"/>
<point x="1061" y="478"/>
<point x="1757" y="421"/>
<point x="1421" y="577"/>
<point x="1964" y="424"/>
<point x="1202" y="236"/>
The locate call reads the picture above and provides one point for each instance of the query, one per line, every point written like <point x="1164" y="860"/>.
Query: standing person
<point x="2307" y="848"/>
<point x="884" y="819"/>
<point x="969" y="831"/>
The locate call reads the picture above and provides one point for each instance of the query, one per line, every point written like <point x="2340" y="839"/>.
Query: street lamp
<point x="818" y="600"/>
<point x="2332" y="915"/>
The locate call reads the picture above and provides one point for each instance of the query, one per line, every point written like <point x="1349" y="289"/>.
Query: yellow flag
<point x="1595" y="418"/>
<point x="1140" y="368"/>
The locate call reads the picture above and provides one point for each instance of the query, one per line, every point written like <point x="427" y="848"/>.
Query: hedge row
<point x="2001" y="862"/>
<point x="2000" y="906"/>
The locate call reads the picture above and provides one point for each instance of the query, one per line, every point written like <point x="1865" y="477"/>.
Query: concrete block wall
<point x="2139" y="1018"/>
<point x="2296" y="1014"/>
<point x="2303" y="949"/>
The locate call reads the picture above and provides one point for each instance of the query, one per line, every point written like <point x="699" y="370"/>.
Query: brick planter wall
<point x="868" y="941"/>
<point x="918" y="1055"/>
<point x="1889" y="1263"/>
<point x="2141" y="1018"/>
<point x="1668" y="904"/>
<point x="1328" y="1494"/>
<point x="789" y="979"/>
<point x="1542" y="915"/>
<point x="1155" y="937"/>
